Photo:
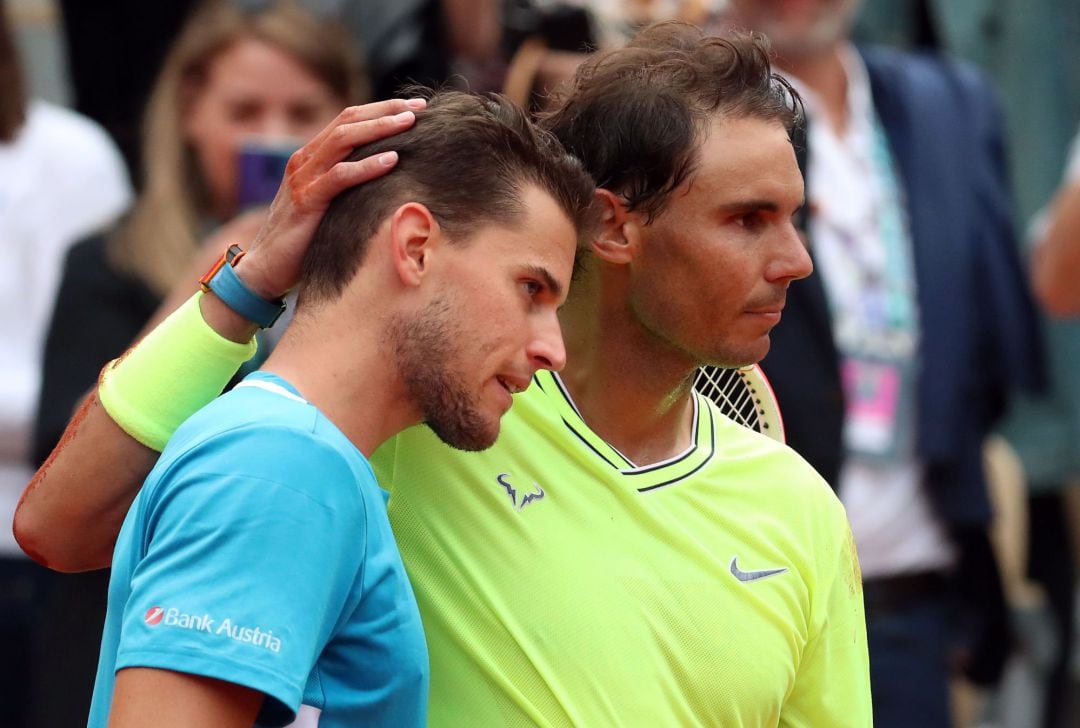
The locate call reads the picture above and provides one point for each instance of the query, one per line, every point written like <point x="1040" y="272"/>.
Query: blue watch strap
<point x="227" y="286"/>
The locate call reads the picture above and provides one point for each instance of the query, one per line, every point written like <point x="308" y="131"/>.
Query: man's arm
<point x="229" y="533"/>
<point x="1055" y="263"/>
<point x="179" y="700"/>
<point x="832" y="684"/>
<point x="72" y="509"/>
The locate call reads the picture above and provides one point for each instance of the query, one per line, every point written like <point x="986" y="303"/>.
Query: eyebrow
<point x="542" y="273"/>
<point x="744" y="205"/>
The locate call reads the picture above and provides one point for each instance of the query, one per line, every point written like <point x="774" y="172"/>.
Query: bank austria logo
<point x="226" y="628"/>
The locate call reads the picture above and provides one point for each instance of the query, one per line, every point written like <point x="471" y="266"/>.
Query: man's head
<point x="802" y="30"/>
<point x="478" y="227"/>
<point x="688" y="137"/>
<point x="469" y="159"/>
<point x="637" y="116"/>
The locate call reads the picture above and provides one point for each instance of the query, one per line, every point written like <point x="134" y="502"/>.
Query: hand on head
<point x="316" y="173"/>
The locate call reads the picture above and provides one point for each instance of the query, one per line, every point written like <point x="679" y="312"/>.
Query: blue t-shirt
<point x="259" y="552"/>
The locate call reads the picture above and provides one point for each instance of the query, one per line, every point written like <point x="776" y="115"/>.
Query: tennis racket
<point x="743" y="395"/>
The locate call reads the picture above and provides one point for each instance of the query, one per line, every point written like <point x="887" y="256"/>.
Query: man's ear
<point x="414" y="233"/>
<point x="619" y="238"/>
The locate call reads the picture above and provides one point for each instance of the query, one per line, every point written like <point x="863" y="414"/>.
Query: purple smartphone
<point x="261" y="167"/>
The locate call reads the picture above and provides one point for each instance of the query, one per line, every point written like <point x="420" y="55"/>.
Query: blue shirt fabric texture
<point x="259" y="552"/>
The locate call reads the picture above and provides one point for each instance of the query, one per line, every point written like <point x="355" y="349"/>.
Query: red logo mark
<point x="154" y="615"/>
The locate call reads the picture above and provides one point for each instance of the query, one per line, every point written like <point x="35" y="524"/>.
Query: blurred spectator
<point x="60" y="179"/>
<point x="1055" y="265"/>
<point x="894" y="361"/>
<point x="115" y="49"/>
<point x="1031" y="49"/>
<point x="232" y="76"/>
<point x="548" y="39"/>
<point x="1047" y="432"/>
<point x="422" y="41"/>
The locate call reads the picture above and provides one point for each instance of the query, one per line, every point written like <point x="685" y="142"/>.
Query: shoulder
<point x="926" y="74"/>
<point x="776" y="475"/>
<point x="256" y="436"/>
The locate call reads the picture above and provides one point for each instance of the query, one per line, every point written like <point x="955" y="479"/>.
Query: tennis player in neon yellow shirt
<point x="560" y="585"/>
<point x="623" y="555"/>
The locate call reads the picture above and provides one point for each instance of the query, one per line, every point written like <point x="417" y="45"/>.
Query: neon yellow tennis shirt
<point x="561" y="585"/>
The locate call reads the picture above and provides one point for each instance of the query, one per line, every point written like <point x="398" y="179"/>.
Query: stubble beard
<point x="428" y="354"/>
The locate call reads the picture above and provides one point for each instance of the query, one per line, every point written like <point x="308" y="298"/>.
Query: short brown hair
<point x="468" y="159"/>
<point x="635" y="116"/>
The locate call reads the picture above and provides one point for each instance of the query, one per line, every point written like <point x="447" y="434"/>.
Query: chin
<point x="742" y="356"/>
<point x="473" y="437"/>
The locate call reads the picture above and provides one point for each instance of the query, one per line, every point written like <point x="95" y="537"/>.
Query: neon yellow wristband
<point x="177" y="368"/>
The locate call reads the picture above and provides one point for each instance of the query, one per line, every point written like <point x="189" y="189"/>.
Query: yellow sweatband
<point x="176" y="369"/>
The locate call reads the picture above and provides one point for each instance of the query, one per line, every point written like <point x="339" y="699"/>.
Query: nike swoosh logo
<point x="752" y="575"/>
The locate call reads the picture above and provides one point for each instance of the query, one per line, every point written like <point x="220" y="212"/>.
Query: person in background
<point x="233" y="75"/>
<point x="896" y="359"/>
<point x="1031" y="51"/>
<point x="61" y="178"/>
<point x="1046" y="433"/>
<point x="1055" y="264"/>
<point x="115" y="49"/>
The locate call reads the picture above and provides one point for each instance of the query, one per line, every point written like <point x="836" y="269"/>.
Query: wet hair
<point x="636" y="116"/>
<point x="469" y="159"/>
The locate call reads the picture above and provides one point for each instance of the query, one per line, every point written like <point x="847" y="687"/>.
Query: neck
<point x="826" y="76"/>
<point x="342" y="370"/>
<point x="632" y="389"/>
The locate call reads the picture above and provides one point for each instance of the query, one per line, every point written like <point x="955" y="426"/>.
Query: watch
<point x="226" y="285"/>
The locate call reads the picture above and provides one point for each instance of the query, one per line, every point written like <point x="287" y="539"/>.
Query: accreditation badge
<point x="879" y="398"/>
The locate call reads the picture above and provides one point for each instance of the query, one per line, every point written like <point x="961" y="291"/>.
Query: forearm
<point x="1056" y="261"/>
<point x="71" y="511"/>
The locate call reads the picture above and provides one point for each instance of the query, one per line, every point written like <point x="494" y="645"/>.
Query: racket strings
<point x="736" y="398"/>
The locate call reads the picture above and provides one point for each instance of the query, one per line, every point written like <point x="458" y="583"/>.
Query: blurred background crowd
<point x="136" y="138"/>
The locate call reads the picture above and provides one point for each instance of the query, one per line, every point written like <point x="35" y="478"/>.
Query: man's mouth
<point x="513" y="385"/>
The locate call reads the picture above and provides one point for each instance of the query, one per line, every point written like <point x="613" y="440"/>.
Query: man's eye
<point x="531" y="288"/>
<point x="750" y="221"/>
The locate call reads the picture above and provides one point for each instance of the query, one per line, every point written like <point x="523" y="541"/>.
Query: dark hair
<point x="12" y="87"/>
<point x="468" y="159"/>
<point x="635" y="116"/>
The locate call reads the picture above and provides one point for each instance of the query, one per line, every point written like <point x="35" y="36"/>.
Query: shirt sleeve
<point x="832" y="684"/>
<point x="252" y="546"/>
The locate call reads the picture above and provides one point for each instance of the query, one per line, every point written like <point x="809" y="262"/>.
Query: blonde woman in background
<point x="276" y="72"/>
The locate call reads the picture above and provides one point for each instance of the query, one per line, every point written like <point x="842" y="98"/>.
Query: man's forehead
<point x="542" y="236"/>
<point x="748" y="148"/>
